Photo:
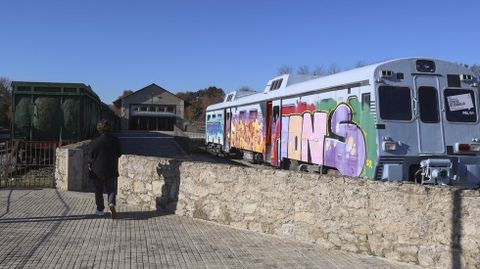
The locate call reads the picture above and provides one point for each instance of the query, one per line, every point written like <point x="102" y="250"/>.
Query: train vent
<point x="379" y="172"/>
<point x="385" y="160"/>
<point x="373" y="110"/>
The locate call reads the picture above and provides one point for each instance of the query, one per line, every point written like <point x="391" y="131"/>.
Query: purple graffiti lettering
<point x="345" y="149"/>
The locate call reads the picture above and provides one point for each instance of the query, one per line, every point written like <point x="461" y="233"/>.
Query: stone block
<point x="139" y="187"/>
<point x="306" y="217"/>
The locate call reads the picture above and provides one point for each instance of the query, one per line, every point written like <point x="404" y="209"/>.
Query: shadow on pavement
<point x="456" y="235"/>
<point x="130" y="215"/>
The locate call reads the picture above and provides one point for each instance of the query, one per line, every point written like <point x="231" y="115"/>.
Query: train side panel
<point x="215" y="127"/>
<point x="248" y="128"/>
<point x="333" y="129"/>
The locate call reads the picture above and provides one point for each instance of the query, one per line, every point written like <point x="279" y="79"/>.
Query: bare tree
<point x="303" y="70"/>
<point x="333" y="69"/>
<point x="476" y="70"/>
<point x="360" y="64"/>
<point x="5" y="101"/>
<point x="116" y="107"/>
<point x="284" y="70"/>
<point x="245" y="89"/>
<point x="318" y="71"/>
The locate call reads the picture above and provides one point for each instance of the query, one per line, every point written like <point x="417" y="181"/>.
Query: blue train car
<point x="410" y="119"/>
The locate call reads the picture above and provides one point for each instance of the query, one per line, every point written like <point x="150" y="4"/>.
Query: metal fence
<point x="27" y="164"/>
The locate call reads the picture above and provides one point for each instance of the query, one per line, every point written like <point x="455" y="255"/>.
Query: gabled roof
<point x="117" y="102"/>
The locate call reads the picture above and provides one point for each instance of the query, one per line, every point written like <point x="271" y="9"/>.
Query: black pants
<point x="107" y="185"/>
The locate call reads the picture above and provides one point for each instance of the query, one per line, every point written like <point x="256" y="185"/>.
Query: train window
<point x="219" y="115"/>
<point x="73" y="90"/>
<point x="395" y="103"/>
<point x="243" y="115"/>
<point x="47" y="89"/>
<point x="171" y="109"/>
<point x="428" y="104"/>
<point x="276" y="84"/>
<point x="460" y="105"/>
<point x="208" y="117"/>
<point x="252" y="115"/>
<point x="143" y="108"/>
<point x="214" y="116"/>
<point x="366" y="100"/>
<point x="276" y="112"/>
<point x="453" y="81"/>
<point x="228" y="115"/>
<point x="23" y="88"/>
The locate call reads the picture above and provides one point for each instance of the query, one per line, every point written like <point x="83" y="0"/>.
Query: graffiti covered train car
<point x="406" y="119"/>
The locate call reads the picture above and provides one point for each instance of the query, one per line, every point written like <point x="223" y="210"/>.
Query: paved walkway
<point x="53" y="229"/>
<point x="150" y="144"/>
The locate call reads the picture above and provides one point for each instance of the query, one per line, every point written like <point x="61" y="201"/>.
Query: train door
<point x="268" y="134"/>
<point x="275" y="133"/>
<point x="428" y="117"/>
<point x="228" y="121"/>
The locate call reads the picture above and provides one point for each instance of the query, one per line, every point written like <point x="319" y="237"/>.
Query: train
<point x="409" y="119"/>
<point x="53" y="111"/>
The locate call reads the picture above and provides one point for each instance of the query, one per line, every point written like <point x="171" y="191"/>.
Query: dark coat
<point x="104" y="154"/>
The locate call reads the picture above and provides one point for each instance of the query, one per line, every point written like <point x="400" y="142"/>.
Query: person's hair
<point x="103" y="126"/>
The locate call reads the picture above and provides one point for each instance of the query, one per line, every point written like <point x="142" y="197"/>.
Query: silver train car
<point x="409" y="119"/>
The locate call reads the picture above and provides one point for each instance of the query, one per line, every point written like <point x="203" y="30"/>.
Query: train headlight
<point x="389" y="146"/>
<point x="475" y="147"/>
<point x="385" y="73"/>
<point x="464" y="77"/>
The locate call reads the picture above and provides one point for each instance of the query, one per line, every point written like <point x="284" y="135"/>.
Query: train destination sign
<point x="460" y="102"/>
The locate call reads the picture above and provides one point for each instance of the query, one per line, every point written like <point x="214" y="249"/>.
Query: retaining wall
<point x="434" y="226"/>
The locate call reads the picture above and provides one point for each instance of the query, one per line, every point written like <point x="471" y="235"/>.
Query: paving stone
<point x="54" y="229"/>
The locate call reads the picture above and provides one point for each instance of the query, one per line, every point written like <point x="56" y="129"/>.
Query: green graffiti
<point x="325" y="105"/>
<point x="363" y="117"/>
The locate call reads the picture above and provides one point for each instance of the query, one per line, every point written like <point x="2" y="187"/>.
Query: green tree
<point x="5" y="102"/>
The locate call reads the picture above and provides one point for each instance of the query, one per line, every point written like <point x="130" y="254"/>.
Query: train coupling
<point x="437" y="171"/>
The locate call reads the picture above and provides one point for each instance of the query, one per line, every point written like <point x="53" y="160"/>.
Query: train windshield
<point x="460" y="104"/>
<point x="428" y="104"/>
<point x="395" y="103"/>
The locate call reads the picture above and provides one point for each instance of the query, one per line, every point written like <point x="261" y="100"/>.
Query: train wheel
<point x="291" y="165"/>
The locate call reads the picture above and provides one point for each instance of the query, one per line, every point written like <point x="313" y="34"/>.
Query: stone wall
<point x="71" y="167"/>
<point x="146" y="182"/>
<point x="433" y="226"/>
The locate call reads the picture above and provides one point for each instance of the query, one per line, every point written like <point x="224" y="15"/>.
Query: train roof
<point x="293" y="85"/>
<point x="83" y="86"/>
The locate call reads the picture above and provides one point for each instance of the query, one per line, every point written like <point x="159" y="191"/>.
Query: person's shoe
<point x="99" y="212"/>
<point x="114" y="212"/>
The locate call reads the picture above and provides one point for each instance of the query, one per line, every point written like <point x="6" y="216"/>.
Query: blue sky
<point x="189" y="45"/>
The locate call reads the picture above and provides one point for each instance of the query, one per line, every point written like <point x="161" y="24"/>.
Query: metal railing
<point x="27" y="164"/>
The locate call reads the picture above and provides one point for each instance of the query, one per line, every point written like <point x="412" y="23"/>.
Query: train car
<point x="44" y="111"/>
<point x="409" y="119"/>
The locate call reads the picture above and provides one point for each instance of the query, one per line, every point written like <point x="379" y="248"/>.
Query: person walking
<point x="103" y="168"/>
